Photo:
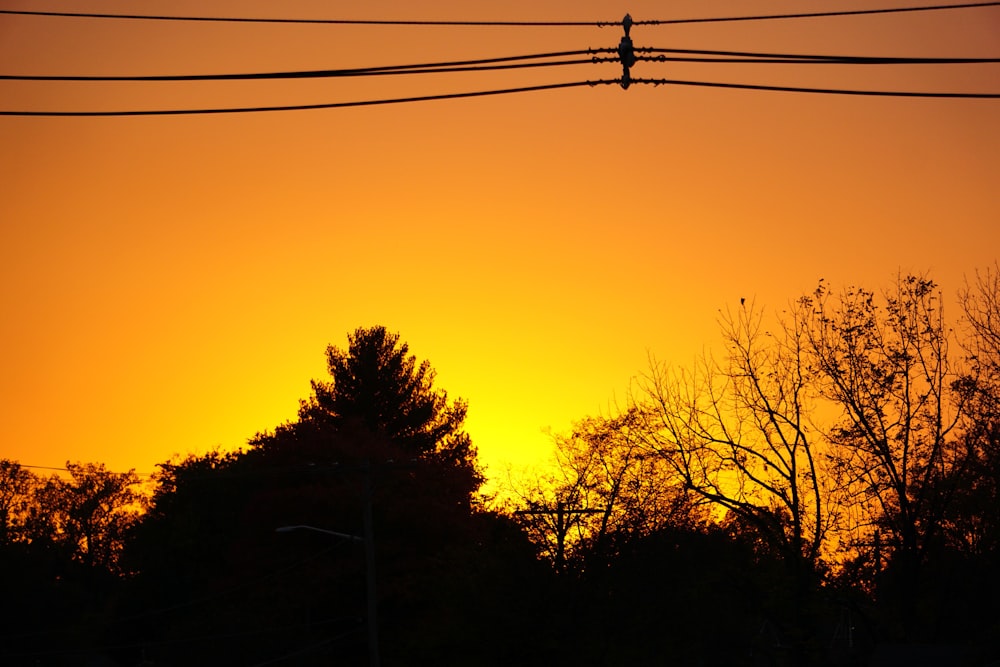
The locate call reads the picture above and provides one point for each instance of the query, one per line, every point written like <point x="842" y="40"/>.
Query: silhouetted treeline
<point x="824" y="492"/>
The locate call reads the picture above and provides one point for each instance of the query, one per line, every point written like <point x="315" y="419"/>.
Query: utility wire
<point x="825" y="91"/>
<point x="308" y="74"/>
<point x="755" y="56"/>
<point x="823" y="61"/>
<point x="304" y="107"/>
<point x="484" y="93"/>
<point x="240" y="19"/>
<point x="88" y="472"/>
<point x="599" y="24"/>
<point x="479" y="65"/>
<point x="809" y="15"/>
<point x="474" y="66"/>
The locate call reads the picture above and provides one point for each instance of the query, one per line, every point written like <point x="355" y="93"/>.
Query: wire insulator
<point x="626" y="52"/>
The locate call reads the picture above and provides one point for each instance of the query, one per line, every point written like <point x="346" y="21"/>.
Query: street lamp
<point x="369" y="541"/>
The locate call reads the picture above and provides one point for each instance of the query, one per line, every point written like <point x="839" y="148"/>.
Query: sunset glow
<point x="169" y="284"/>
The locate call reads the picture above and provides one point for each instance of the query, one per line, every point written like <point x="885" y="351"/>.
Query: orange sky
<point x="170" y="284"/>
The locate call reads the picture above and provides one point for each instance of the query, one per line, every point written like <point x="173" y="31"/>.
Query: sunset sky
<point x="169" y="284"/>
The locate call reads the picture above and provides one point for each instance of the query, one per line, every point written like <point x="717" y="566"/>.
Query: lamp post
<point x="369" y="541"/>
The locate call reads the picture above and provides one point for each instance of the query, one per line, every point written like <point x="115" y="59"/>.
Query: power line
<point x="697" y="56"/>
<point x="824" y="91"/>
<point x="485" y="93"/>
<point x="23" y="465"/>
<point x="599" y="24"/>
<point x="755" y="56"/>
<point x="482" y="64"/>
<point x="242" y="19"/>
<point x="809" y="15"/>
<point x="88" y="472"/>
<point x="718" y="56"/>
<point x="817" y="61"/>
<point x="307" y="74"/>
<point x="306" y="107"/>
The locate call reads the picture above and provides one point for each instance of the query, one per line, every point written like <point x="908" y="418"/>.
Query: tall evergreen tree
<point x="379" y="389"/>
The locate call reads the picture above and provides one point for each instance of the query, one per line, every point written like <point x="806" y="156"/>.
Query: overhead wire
<point x="758" y="57"/>
<point x="306" y="107"/>
<point x="478" y="65"/>
<point x="717" y="56"/>
<point x="810" y="15"/>
<point x="409" y="22"/>
<point x="823" y="91"/>
<point x="823" y="61"/>
<point x="697" y="56"/>
<point x="512" y="62"/>
<point x="89" y="472"/>
<point x="246" y="19"/>
<point x="486" y="93"/>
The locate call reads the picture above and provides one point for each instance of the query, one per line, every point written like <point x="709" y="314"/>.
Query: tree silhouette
<point x="60" y="559"/>
<point x="377" y="382"/>
<point x="17" y="489"/>
<point x="885" y="364"/>
<point x="829" y="479"/>
<point x="377" y="386"/>
<point x="378" y="438"/>
<point x="87" y="515"/>
<point x="737" y="433"/>
<point x="611" y="489"/>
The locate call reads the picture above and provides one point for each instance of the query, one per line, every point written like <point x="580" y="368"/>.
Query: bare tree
<point x="973" y="522"/>
<point x="980" y="304"/>
<point x="737" y="432"/>
<point x="883" y="362"/>
<point x="603" y="490"/>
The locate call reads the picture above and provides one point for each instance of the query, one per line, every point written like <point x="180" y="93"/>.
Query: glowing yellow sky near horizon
<point x="170" y="284"/>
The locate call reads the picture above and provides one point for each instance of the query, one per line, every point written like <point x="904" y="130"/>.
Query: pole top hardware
<point x="626" y="52"/>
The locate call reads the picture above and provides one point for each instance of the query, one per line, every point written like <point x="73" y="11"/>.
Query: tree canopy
<point x="377" y="387"/>
<point x="829" y="481"/>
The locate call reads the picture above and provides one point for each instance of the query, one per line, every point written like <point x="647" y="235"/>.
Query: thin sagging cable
<point x="823" y="91"/>
<point x="750" y="56"/>
<point x="734" y="54"/>
<point x="810" y="15"/>
<point x="816" y="61"/>
<point x="789" y="61"/>
<point x="89" y="472"/>
<point x="599" y="24"/>
<point x="307" y="107"/>
<point x="449" y="68"/>
<point x="246" y="19"/>
<point x="481" y="65"/>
